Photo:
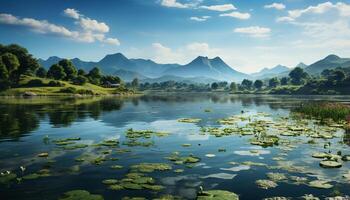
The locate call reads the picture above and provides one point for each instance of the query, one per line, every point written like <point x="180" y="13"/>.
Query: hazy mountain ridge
<point x="200" y="69"/>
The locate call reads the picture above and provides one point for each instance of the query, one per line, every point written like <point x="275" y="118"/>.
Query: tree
<point x="56" y="72"/>
<point x="95" y="76"/>
<point x="274" y="82"/>
<point x="10" y="61"/>
<point x="81" y="72"/>
<point x="214" y="86"/>
<point x="258" y="84"/>
<point x="247" y="84"/>
<point x="135" y="83"/>
<point x="41" y="72"/>
<point x="338" y="75"/>
<point x="284" y="81"/>
<point x="4" y="76"/>
<point x="298" y="76"/>
<point x="233" y="87"/>
<point x="80" y="80"/>
<point x="27" y="64"/>
<point x="69" y="69"/>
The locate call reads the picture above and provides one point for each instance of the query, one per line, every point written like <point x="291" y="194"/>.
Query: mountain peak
<point x="301" y="65"/>
<point x="332" y="57"/>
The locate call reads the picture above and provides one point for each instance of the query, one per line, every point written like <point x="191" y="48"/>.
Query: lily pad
<point x="321" y="184"/>
<point x="276" y="176"/>
<point x="150" y="167"/>
<point x="6" y="178"/>
<point x="266" y="184"/>
<point x="189" y="120"/>
<point x="330" y="164"/>
<point x="80" y="195"/>
<point x="217" y="195"/>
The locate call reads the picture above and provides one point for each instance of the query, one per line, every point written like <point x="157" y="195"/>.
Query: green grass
<point x="335" y="111"/>
<point x="67" y="89"/>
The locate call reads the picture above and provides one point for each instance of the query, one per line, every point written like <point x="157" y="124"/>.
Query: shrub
<point x="85" y="92"/>
<point x="70" y="90"/>
<point x="80" y="80"/>
<point x="56" y="84"/>
<point x="35" y="83"/>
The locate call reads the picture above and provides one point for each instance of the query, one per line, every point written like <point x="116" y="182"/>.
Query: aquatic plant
<point x="335" y="111"/>
<point x="79" y="195"/>
<point x="150" y="167"/>
<point x="216" y="195"/>
<point x="266" y="184"/>
<point x="189" y="120"/>
<point x="320" y="184"/>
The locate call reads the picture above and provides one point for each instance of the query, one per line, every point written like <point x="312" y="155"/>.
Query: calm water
<point x="29" y="126"/>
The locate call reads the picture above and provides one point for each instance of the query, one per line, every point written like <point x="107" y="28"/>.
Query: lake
<point x="171" y="144"/>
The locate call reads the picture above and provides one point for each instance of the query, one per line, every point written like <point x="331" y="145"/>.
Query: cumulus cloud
<point x="220" y="8"/>
<point x="200" y="19"/>
<point x="237" y="15"/>
<point x="70" y="12"/>
<point x="277" y="6"/>
<point x="93" y="25"/>
<point x="254" y="31"/>
<point x="341" y="8"/>
<point x="92" y="29"/>
<point x="173" y="4"/>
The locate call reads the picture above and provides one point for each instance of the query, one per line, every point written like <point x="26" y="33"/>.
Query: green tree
<point x="81" y="72"/>
<point x="274" y="82"/>
<point x="338" y="75"/>
<point x="214" y="86"/>
<point x="41" y="72"/>
<point x="233" y="87"/>
<point x="284" y="81"/>
<point x="95" y="76"/>
<point x="27" y="64"/>
<point x="4" y="76"/>
<point x="80" y="80"/>
<point x="258" y="84"/>
<point x="10" y="61"/>
<point x="135" y="83"/>
<point x="56" y="71"/>
<point x="298" y="76"/>
<point x="110" y="79"/>
<point x="247" y="84"/>
<point x="69" y="69"/>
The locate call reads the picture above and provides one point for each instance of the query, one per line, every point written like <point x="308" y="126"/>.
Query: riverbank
<point x="34" y="86"/>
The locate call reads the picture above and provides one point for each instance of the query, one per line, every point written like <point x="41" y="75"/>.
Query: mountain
<point x="128" y="76"/>
<point x="270" y="72"/>
<point x="330" y="62"/>
<point x="165" y="78"/>
<point x="212" y="68"/>
<point x="301" y="65"/>
<point x="118" y="64"/>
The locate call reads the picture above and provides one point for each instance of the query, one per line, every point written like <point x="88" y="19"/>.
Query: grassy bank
<point x="49" y="87"/>
<point x="335" y="111"/>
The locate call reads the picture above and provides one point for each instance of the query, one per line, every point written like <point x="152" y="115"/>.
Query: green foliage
<point x="110" y="79"/>
<point x="233" y="87"/>
<point x="80" y="80"/>
<point x="56" y="72"/>
<point x="135" y="83"/>
<point x="298" y="76"/>
<point x="95" y="76"/>
<point x="70" y="90"/>
<point x="284" y="81"/>
<point x="247" y="84"/>
<point x="335" y="111"/>
<point x="214" y="86"/>
<point x="35" y="83"/>
<point x="18" y="61"/>
<point x="69" y="69"/>
<point x="55" y="84"/>
<point x="41" y="72"/>
<point x="81" y="72"/>
<point x="274" y="82"/>
<point x="258" y="84"/>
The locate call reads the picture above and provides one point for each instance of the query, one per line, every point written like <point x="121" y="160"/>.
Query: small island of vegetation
<point x="21" y="74"/>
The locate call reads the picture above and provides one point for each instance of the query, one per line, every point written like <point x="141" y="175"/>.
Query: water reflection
<point x="21" y="116"/>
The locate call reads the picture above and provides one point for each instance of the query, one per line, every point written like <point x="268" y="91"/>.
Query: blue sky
<point x="248" y="34"/>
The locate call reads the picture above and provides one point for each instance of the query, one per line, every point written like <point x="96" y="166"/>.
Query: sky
<point x="247" y="34"/>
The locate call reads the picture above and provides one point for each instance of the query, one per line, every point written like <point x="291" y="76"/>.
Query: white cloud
<point x="342" y="9"/>
<point x="200" y="19"/>
<point x="93" y="30"/>
<point x="221" y="8"/>
<point x="70" y="12"/>
<point x="173" y="4"/>
<point x="284" y="19"/>
<point x="199" y="48"/>
<point x="93" y="25"/>
<point x="278" y="6"/>
<point x="254" y="31"/>
<point x="237" y="15"/>
<point x="40" y="26"/>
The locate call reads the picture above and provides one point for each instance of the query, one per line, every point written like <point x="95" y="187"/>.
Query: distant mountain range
<point x="200" y="70"/>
